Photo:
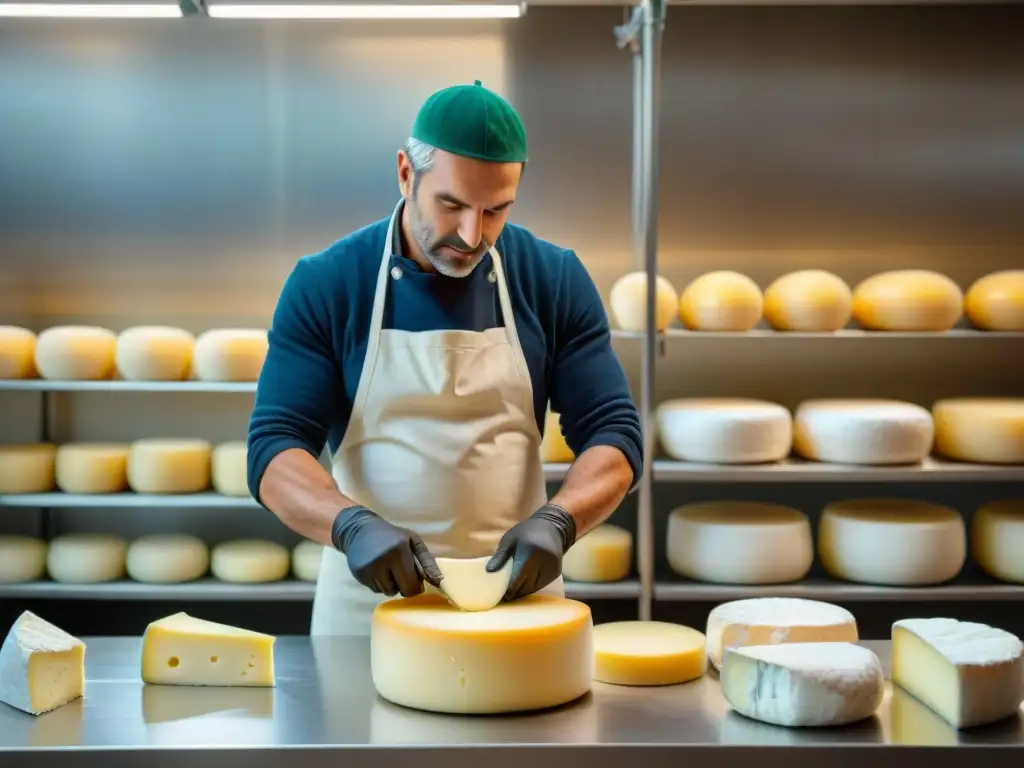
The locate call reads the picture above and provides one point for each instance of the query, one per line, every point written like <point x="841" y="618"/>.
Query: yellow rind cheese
<point x="721" y="301"/>
<point x="642" y="653"/>
<point x="230" y="354"/>
<point x="92" y="468"/>
<point x="250" y="561"/>
<point x="554" y="449"/>
<point x="997" y="539"/>
<point x="629" y="302"/>
<point x="995" y="302"/>
<point x="810" y="300"/>
<point x="28" y="468"/>
<point x="169" y="465"/>
<point x="22" y="558"/>
<point x="982" y="430"/>
<point x="76" y="353"/>
<point x="908" y="300"/>
<point x="17" y="353"/>
<point x="602" y="554"/>
<point x="229" y="471"/>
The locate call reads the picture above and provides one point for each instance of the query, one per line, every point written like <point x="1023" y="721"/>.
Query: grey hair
<point x="421" y="155"/>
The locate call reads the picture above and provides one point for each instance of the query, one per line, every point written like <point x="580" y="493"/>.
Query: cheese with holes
<point x="892" y="542"/>
<point x="803" y="684"/>
<point x="229" y="470"/>
<point x="774" y="620"/>
<point x="811" y="300"/>
<point x="183" y="650"/>
<point x="969" y="674"/>
<point x="869" y="432"/>
<point x="648" y="653"/>
<point x="997" y="539"/>
<point x="169" y="465"/>
<point x="28" y="468"/>
<point x="230" y="354"/>
<point x="629" y="302"/>
<point x="908" y="300"/>
<point x="18" y="352"/>
<point x="167" y="558"/>
<point x="306" y="557"/>
<point x="604" y="553"/>
<point x="154" y="353"/>
<point x="86" y="558"/>
<point x="468" y="586"/>
<point x="724" y="430"/>
<point x="995" y="302"/>
<point x="250" y="561"/>
<point x="532" y="653"/>
<point x="92" y="468"/>
<point x="554" y="449"/>
<point x="22" y="558"/>
<point x="41" y="667"/>
<point x="76" y="353"/>
<point x="985" y="430"/>
<point x="721" y="301"/>
<point x="739" y="542"/>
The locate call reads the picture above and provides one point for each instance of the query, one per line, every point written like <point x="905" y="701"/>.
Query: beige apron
<point x="442" y="440"/>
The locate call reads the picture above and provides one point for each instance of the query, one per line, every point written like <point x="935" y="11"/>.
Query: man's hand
<point x="381" y="556"/>
<point x="536" y="547"/>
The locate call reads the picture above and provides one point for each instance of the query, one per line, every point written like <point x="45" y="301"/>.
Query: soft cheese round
<point x="995" y="302"/>
<point x="250" y="561"/>
<point x="997" y="539"/>
<point x="648" y="653"/>
<point x="22" y="558"/>
<point x="154" y="353"/>
<point x="169" y="465"/>
<point x="76" y="353"/>
<point x="553" y="447"/>
<point x="868" y="431"/>
<point x="908" y="300"/>
<point x="90" y="468"/>
<point x="230" y="354"/>
<point x="27" y="468"/>
<point x="629" y="302"/>
<point x="721" y="301"/>
<point x="17" y="352"/>
<point x="605" y="553"/>
<point x="984" y="430"/>
<point x="306" y="557"/>
<point x="86" y="558"/>
<point x="810" y="300"/>
<point x="724" y="430"/>
<point x="167" y="559"/>
<point x="229" y="472"/>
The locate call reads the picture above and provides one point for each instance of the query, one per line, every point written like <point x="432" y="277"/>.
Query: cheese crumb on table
<point x="41" y="667"/>
<point x="648" y="653"/>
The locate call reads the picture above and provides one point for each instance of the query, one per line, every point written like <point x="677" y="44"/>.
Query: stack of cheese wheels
<point x="721" y="301"/>
<point x="229" y="470"/>
<point x="154" y="353"/>
<point x="869" y="432"/>
<point x="648" y="653"/>
<point x="22" y="558"/>
<point x="908" y="300"/>
<point x="169" y="465"/>
<point x="724" y="430"/>
<point x="629" y="302"/>
<point x="28" y="468"/>
<point x="739" y="542"/>
<point x="554" y="449"/>
<point x="17" y="353"/>
<point x="810" y="300"/>
<point x="250" y="561"/>
<point x="86" y="558"/>
<point x="982" y="430"/>
<point x="603" y="554"/>
<point x="893" y="542"/>
<point x="995" y="302"/>
<point x="306" y="557"/>
<point x="76" y="353"/>
<point x="167" y="559"/>
<point x="92" y="468"/>
<point x="230" y="354"/>
<point x="533" y="653"/>
<point x="997" y="539"/>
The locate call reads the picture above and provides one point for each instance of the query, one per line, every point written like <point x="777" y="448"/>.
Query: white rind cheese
<point x="41" y="667"/>
<point x="169" y="465"/>
<point x="724" y="430"/>
<point x="17" y="353"/>
<point x="230" y="354"/>
<point x="229" y="471"/>
<point x="92" y="468"/>
<point x="997" y="539"/>
<point x="867" y="432"/>
<point x="306" y="558"/>
<point x="250" y="561"/>
<point x="22" y="558"/>
<point x="28" y="468"/>
<point x="629" y="302"/>
<point x="721" y="301"/>
<point x="168" y="558"/>
<point x="810" y="300"/>
<point x="908" y="300"/>
<point x="468" y="585"/>
<point x="76" y="353"/>
<point x="995" y="302"/>
<point x="601" y="555"/>
<point x="86" y="558"/>
<point x="154" y="353"/>
<point x="983" y="430"/>
<point x="648" y="653"/>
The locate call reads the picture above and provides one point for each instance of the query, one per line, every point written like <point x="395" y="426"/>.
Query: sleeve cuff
<point x="260" y="456"/>
<point x="629" y="449"/>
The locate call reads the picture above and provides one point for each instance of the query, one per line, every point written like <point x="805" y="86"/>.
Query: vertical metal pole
<point x="639" y="149"/>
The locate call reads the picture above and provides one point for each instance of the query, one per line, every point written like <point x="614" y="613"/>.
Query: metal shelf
<point x="47" y="385"/>
<point x="827" y="589"/>
<point x="851" y="333"/>
<point x="931" y="470"/>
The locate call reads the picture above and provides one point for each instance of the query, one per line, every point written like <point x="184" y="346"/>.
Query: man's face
<point x="457" y="210"/>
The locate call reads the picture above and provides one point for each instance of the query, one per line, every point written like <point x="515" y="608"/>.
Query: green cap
<point x="472" y="121"/>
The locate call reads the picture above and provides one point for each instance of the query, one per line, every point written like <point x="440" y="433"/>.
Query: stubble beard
<point x="430" y="248"/>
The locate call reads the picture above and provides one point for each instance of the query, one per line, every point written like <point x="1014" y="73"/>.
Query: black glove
<point x="383" y="556"/>
<point x="536" y="547"/>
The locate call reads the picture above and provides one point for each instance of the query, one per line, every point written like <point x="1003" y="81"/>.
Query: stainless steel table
<point x="325" y="712"/>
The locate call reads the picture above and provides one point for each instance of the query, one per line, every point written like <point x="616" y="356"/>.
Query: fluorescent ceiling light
<point x="91" y="10"/>
<point x="371" y="11"/>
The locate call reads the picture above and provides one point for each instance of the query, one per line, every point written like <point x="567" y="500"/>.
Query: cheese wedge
<point x="41" y="667"/>
<point x="467" y="584"/>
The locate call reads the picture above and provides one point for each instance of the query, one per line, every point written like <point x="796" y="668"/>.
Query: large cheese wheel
<point x="22" y="558"/>
<point x="553" y="447"/>
<point x="86" y="558"/>
<point x="529" y="654"/>
<point x="809" y="300"/>
<point x="92" y="468"/>
<point x="997" y="539"/>
<point x="869" y="432"/>
<point x="230" y="354"/>
<point x="724" y="430"/>
<point x="995" y="302"/>
<point x="908" y="300"/>
<point x="603" y="554"/>
<point x="985" y="430"/>
<point x="155" y="353"/>
<point x="27" y="468"/>
<point x="306" y="559"/>
<point x="76" y="353"/>
<point x="229" y="470"/>
<point x="648" y="653"/>
<point x="721" y="301"/>
<point x="17" y="353"/>
<point x="629" y="302"/>
<point x="169" y="465"/>
<point x="897" y="542"/>
<point x="167" y="558"/>
<point x="250" y="561"/>
<point x="739" y="542"/>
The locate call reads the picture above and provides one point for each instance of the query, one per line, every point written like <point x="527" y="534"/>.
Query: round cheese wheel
<point x="169" y="465"/>
<point x="629" y="302"/>
<point x="997" y="539"/>
<point x="306" y="559"/>
<point x="86" y="558"/>
<point x="92" y="468"/>
<point x="648" y="653"/>
<point x="809" y="300"/>
<point x="22" y="559"/>
<point x="554" y="449"/>
<point x="27" y="468"/>
<point x="529" y="654"/>
<point x="908" y="300"/>
<point x="76" y="353"/>
<point x="995" y="302"/>
<point x="893" y="542"/>
<point x="603" y="554"/>
<point x="724" y="430"/>
<point x="867" y="432"/>
<point x="154" y="353"/>
<point x="167" y="559"/>
<point x="983" y="430"/>
<point x="17" y="353"/>
<point x="739" y="542"/>
<point x="721" y="301"/>
<point x="230" y="472"/>
<point x="250" y="561"/>
<point x="230" y="354"/>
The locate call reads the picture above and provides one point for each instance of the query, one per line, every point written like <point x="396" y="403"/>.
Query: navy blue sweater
<point x="320" y="328"/>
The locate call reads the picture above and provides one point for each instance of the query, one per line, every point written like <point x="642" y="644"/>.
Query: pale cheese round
<point x="810" y="300"/>
<point x="995" y="302"/>
<point x="603" y="554"/>
<point x="92" y="468"/>
<point x="648" y="653"/>
<point x="739" y="542"/>
<point x="997" y="539"/>
<point x="529" y="654"/>
<point x="908" y="300"/>
<point x="86" y="558"/>
<point x="306" y="557"/>
<point x="17" y="353"/>
<point x="250" y="561"/>
<point x="229" y="469"/>
<point x="167" y="559"/>
<point x="154" y="353"/>
<point x="230" y="354"/>
<point x="983" y="430"/>
<point x="22" y="558"/>
<point x="27" y="468"/>
<point x="724" y="430"/>
<point x="866" y="432"/>
<point x="629" y="302"/>
<point x="892" y="542"/>
<point x="554" y="449"/>
<point x="76" y="353"/>
<point x="169" y="465"/>
<point x="721" y="301"/>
